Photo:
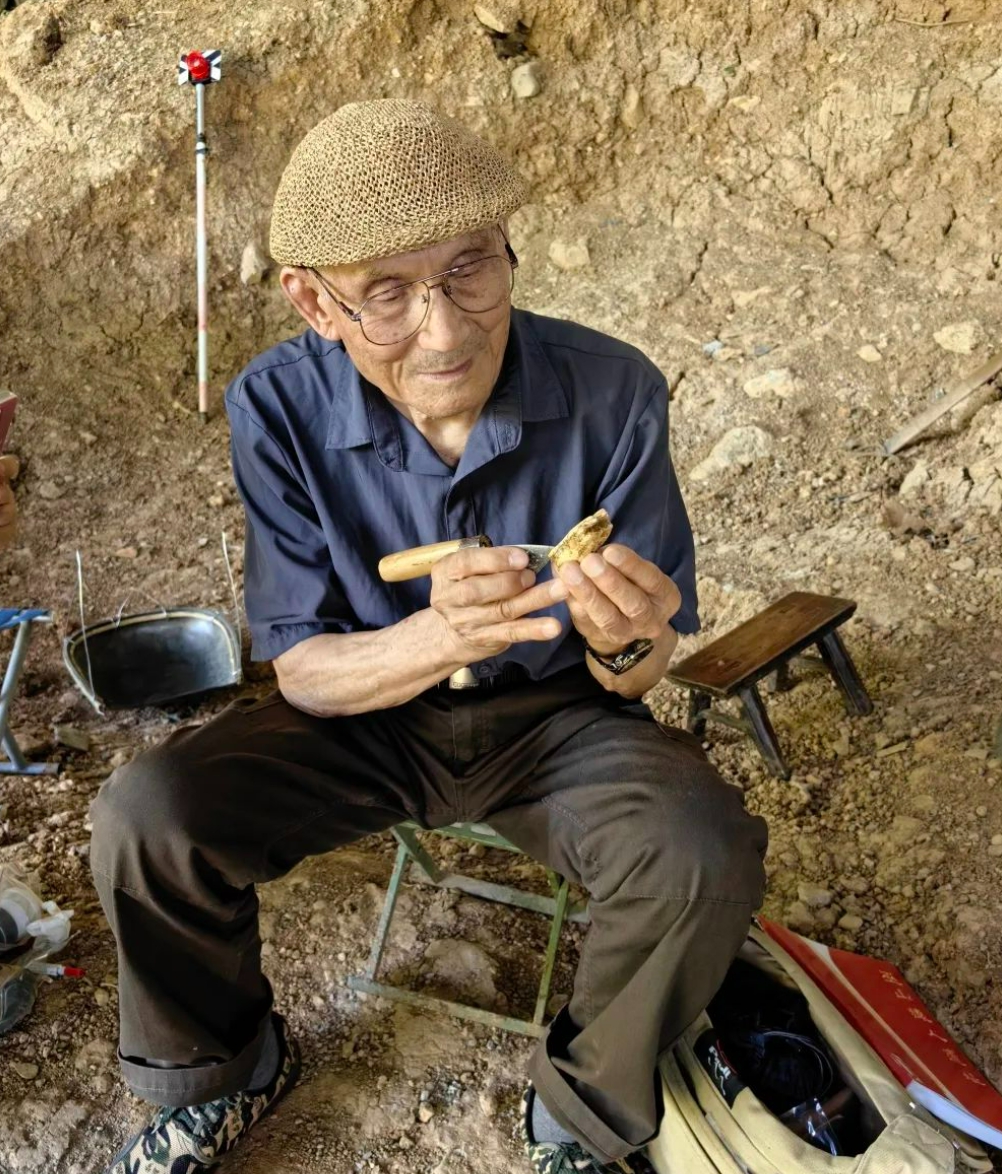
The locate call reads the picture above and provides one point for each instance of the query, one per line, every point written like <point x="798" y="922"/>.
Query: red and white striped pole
<point x="199" y="69"/>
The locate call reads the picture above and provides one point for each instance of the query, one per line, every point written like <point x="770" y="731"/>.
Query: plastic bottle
<point x="811" y="1122"/>
<point x="19" y="907"/>
<point x="23" y="916"/>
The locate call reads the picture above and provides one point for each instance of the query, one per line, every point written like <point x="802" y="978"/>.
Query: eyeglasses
<point x="393" y="315"/>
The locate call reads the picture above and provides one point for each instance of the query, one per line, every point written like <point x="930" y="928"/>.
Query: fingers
<point x="639" y="588"/>
<point x="480" y="560"/>
<point x="480" y="589"/>
<point x="612" y="602"/>
<point x="647" y="576"/>
<point x="9" y="468"/>
<point x="8" y="516"/>
<point x="539" y="629"/>
<point x="536" y="598"/>
<point x="504" y="611"/>
<point x="590" y="603"/>
<point x="486" y="596"/>
<point x="480" y="580"/>
<point x="485" y="634"/>
<point x="621" y="594"/>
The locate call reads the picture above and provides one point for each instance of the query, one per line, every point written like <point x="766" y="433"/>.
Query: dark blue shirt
<point x="333" y="477"/>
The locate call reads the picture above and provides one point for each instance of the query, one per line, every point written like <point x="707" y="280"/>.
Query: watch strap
<point x="624" y="660"/>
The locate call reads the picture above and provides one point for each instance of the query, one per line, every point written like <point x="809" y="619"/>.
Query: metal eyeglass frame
<point x="443" y="284"/>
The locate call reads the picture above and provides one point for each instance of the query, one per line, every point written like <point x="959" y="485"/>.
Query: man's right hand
<point x="485" y="595"/>
<point x="9" y="468"/>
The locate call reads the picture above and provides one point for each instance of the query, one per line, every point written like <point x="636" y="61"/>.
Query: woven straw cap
<point x="385" y="177"/>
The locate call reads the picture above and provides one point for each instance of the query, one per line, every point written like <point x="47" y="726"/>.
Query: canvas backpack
<point x="714" y="1124"/>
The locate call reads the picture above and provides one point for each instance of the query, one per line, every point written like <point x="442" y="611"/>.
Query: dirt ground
<point x="793" y="208"/>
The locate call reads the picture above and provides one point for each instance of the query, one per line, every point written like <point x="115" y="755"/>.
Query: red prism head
<point x="198" y="67"/>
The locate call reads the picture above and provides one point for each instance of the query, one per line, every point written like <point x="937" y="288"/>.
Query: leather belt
<point x="512" y="676"/>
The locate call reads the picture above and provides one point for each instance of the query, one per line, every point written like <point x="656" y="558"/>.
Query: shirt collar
<point x="527" y="391"/>
<point x="348" y="426"/>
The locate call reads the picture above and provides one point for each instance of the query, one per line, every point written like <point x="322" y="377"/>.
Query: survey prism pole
<point x="200" y="68"/>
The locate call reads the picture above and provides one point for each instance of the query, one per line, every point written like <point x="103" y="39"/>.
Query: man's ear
<point x="318" y="310"/>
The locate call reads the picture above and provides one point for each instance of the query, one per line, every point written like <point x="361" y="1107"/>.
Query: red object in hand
<point x="198" y="68"/>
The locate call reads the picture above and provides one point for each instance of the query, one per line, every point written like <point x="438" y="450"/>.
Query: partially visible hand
<point x="616" y="597"/>
<point x="485" y="596"/>
<point x="10" y="466"/>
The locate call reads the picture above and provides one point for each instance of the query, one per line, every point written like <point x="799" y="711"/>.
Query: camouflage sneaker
<point x="192" y="1140"/>
<point x="553" y="1157"/>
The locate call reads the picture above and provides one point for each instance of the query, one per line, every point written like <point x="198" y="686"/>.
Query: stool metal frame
<point x="16" y="763"/>
<point x="558" y="907"/>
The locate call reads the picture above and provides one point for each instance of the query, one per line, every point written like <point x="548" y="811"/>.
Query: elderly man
<point x="420" y="407"/>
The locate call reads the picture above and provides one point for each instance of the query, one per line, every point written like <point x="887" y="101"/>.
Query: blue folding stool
<point x="22" y="619"/>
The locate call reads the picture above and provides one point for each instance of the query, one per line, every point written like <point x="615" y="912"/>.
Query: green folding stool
<point x="21" y="621"/>
<point x="559" y="907"/>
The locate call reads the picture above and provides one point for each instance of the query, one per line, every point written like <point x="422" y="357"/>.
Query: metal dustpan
<point x="153" y="658"/>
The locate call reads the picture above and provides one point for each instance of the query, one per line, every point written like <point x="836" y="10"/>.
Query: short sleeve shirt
<point x="333" y="478"/>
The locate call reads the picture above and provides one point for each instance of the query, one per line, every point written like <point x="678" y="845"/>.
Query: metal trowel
<point x="419" y="560"/>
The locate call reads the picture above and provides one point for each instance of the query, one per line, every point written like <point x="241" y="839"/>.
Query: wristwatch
<point x="621" y="662"/>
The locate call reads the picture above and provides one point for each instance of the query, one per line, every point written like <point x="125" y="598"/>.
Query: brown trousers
<point x="577" y="778"/>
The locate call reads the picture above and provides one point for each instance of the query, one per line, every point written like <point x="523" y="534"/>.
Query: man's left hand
<point x="616" y="597"/>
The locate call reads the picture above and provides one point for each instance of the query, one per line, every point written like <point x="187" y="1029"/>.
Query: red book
<point x="875" y="998"/>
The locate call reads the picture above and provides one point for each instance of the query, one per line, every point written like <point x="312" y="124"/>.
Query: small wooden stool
<point x="765" y="644"/>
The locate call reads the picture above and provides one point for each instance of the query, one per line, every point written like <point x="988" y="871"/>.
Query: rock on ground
<point x="738" y="448"/>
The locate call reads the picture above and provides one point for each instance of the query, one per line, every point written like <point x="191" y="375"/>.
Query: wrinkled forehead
<point x="418" y="263"/>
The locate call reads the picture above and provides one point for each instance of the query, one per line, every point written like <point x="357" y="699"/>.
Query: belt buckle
<point x="463" y="679"/>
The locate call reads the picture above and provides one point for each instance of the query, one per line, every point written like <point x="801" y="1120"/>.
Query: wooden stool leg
<point x="762" y="731"/>
<point x="699" y="703"/>
<point x="836" y="656"/>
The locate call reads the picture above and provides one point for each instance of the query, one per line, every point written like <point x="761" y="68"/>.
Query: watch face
<point x="626" y="660"/>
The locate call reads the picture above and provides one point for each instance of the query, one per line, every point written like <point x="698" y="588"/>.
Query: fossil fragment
<point x="584" y="539"/>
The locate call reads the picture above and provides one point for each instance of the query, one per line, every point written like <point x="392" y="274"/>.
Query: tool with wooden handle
<point x="419" y="560"/>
